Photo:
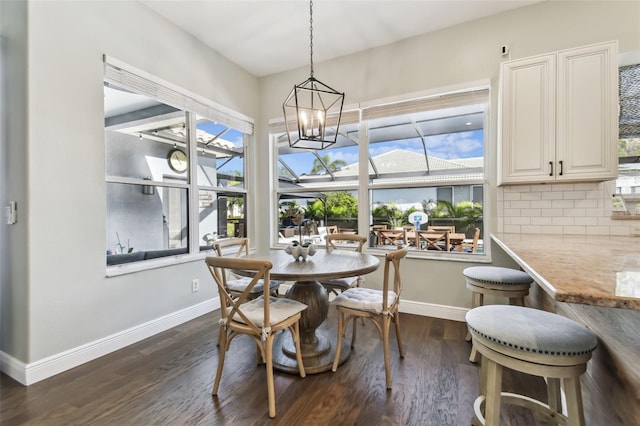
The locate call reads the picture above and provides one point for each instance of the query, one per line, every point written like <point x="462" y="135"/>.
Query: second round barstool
<point x="495" y="281"/>
<point x="534" y="342"/>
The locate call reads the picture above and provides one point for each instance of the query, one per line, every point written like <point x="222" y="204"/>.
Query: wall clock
<point x="177" y="160"/>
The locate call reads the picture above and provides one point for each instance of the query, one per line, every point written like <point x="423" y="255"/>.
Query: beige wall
<point x="460" y="54"/>
<point x="56" y="293"/>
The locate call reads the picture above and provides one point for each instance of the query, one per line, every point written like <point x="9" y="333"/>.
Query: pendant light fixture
<point x="310" y="108"/>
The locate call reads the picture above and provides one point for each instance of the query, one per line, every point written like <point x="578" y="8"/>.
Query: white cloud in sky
<point x="456" y="145"/>
<point x="347" y="157"/>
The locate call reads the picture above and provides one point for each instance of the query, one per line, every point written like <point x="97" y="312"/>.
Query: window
<point x="424" y="154"/>
<point x="629" y="134"/>
<point x="175" y="169"/>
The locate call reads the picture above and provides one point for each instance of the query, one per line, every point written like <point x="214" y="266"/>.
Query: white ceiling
<point x="269" y="36"/>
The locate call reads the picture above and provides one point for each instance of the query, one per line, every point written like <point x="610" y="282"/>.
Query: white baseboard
<point x="452" y="313"/>
<point x="28" y="374"/>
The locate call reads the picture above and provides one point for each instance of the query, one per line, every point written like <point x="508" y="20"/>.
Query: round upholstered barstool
<point x="533" y="342"/>
<point x="495" y="281"/>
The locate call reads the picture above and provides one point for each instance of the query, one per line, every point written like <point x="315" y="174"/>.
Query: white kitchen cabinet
<point x="559" y="116"/>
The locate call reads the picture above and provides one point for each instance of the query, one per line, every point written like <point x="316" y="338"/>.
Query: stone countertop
<point x="590" y="270"/>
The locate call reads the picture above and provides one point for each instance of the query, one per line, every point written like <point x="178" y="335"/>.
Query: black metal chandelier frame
<point x="311" y="108"/>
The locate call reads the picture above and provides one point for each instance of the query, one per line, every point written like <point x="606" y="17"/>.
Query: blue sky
<point x="449" y="146"/>
<point x="232" y="135"/>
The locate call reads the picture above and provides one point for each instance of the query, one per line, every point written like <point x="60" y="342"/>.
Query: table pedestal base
<point x="284" y="356"/>
<point x="317" y="349"/>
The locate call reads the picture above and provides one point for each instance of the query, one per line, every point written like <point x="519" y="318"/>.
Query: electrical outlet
<point x="195" y="285"/>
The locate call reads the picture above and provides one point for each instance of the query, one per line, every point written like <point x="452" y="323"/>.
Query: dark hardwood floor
<point x="167" y="379"/>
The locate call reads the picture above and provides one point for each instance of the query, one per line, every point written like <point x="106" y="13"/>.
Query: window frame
<point x="364" y="186"/>
<point x="632" y="198"/>
<point x="193" y="106"/>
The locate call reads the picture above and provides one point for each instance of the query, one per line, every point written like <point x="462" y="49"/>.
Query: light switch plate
<point x="11" y="213"/>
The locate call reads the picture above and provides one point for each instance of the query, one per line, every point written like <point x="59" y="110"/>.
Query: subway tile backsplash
<point x="578" y="209"/>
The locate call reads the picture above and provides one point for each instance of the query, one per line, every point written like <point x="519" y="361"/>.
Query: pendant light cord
<point x="311" y="34"/>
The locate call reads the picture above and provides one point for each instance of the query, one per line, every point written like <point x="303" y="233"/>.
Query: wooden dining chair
<point x="343" y="242"/>
<point x="378" y="306"/>
<point x="391" y="236"/>
<point x="433" y="240"/>
<point x="443" y="228"/>
<point x="260" y="318"/>
<point x="374" y="230"/>
<point x="237" y="284"/>
<point x="332" y="229"/>
<point x="471" y="244"/>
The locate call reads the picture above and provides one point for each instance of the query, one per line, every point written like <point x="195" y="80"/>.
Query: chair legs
<point x="220" y="336"/>
<point x="575" y="410"/>
<point x="221" y="354"/>
<point x="264" y="354"/>
<point x="384" y="330"/>
<point x="295" y="334"/>
<point x="334" y="367"/>
<point x="477" y="299"/>
<point x="493" y="393"/>
<point x="386" y="325"/>
<point x="353" y="331"/>
<point x="270" y="386"/>
<point x="396" y="321"/>
<point x="554" y="398"/>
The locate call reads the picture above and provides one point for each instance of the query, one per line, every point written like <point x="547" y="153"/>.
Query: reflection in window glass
<point x="146" y="140"/>
<point x="222" y="215"/>
<point x="146" y="143"/>
<point x="147" y="175"/>
<point x="220" y="155"/>
<point x="146" y="221"/>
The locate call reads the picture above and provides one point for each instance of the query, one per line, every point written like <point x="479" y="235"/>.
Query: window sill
<point x="422" y="254"/>
<point x="145" y="265"/>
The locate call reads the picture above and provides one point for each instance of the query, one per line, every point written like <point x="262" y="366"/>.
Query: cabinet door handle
<point x="560" y="167"/>
<point x="551" y="166"/>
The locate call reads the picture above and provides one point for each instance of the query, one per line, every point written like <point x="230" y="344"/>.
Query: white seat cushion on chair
<point x="341" y="282"/>
<point x="281" y="309"/>
<point x="364" y="299"/>
<point x="240" y="283"/>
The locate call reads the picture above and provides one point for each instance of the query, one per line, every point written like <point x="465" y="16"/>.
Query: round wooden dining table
<point x="316" y="347"/>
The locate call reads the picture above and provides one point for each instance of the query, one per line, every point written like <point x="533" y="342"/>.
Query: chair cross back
<point x="331" y="240"/>
<point x="231" y="304"/>
<point x="242" y="243"/>
<point x="392" y="235"/>
<point x="431" y="239"/>
<point x="392" y="258"/>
